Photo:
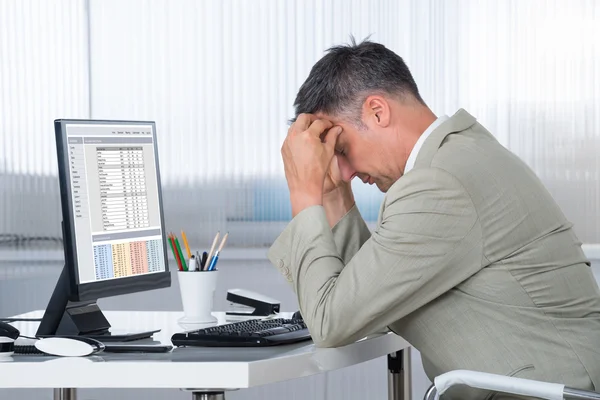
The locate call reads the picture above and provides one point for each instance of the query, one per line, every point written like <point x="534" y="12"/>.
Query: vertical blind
<point x="43" y="75"/>
<point x="219" y="78"/>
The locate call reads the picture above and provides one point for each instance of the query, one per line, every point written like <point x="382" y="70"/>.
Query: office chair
<point x="505" y="384"/>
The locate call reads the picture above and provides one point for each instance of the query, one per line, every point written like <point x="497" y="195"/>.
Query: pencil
<point x="181" y="254"/>
<point x="212" y="248"/>
<point x="172" y="239"/>
<point x="223" y="242"/>
<point x="173" y="249"/>
<point x="185" y="243"/>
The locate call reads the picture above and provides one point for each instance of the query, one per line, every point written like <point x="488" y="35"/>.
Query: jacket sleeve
<point x="427" y="241"/>
<point x="349" y="234"/>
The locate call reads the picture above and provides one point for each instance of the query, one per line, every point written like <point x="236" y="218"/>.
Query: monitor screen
<point x="114" y="189"/>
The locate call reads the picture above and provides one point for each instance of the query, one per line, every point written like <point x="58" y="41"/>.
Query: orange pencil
<point x="187" y="246"/>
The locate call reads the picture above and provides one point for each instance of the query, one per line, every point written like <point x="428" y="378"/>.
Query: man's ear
<point x="376" y="110"/>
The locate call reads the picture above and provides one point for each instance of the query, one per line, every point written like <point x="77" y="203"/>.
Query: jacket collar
<point x="460" y="121"/>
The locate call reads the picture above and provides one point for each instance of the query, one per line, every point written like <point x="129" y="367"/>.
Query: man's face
<point x="363" y="153"/>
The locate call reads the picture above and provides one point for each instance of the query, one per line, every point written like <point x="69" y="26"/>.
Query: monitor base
<point x="111" y="336"/>
<point x="68" y="318"/>
<point x="122" y="336"/>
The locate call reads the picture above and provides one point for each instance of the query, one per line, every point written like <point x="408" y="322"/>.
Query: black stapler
<point x="244" y="302"/>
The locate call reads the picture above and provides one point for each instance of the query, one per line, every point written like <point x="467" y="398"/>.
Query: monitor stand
<point x="66" y="318"/>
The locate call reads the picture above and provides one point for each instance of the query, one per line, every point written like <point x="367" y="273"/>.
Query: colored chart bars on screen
<point x="126" y="259"/>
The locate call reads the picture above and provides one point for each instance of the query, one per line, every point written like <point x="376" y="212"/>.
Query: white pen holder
<point x="197" y="290"/>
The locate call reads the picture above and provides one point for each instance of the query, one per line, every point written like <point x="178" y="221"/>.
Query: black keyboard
<point x="253" y="333"/>
<point x="28" y="349"/>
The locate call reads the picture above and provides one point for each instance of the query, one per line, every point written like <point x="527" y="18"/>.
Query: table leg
<point x="65" y="394"/>
<point x="208" y="396"/>
<point x="399" y="375"/>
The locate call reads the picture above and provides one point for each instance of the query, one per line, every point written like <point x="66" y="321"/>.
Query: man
<point x="471" y="260"/>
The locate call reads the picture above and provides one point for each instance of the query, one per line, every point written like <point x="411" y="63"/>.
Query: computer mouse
<point x="7" y="346"/>
<point x="9" y="331"/>
<point x="8" y="335"/>
<point x="69" y="346"/>
<point x="297" y="315"/>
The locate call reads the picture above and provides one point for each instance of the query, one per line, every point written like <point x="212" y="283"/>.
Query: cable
<point x="29" y="337"/>
<point x="20" y="319"/>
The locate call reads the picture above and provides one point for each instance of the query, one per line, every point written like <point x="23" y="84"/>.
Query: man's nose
<point x="346" y="169"/>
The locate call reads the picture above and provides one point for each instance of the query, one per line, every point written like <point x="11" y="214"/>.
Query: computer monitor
<point x="113" y="227"/>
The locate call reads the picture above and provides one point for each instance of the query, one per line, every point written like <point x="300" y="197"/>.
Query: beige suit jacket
<point x="471" y="261"/>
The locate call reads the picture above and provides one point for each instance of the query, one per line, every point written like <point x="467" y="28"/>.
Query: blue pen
<point x="213" y="262"/>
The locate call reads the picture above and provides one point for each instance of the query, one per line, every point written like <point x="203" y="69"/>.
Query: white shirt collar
<point x="410" y="163"/>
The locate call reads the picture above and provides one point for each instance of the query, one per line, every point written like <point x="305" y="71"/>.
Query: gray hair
<point x="339" y="82"/>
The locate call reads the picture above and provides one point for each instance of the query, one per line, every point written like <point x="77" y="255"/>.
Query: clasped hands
<point x="310" y="163"/>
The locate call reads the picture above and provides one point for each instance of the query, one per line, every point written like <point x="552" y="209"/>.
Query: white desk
<point x="207" y="372"/>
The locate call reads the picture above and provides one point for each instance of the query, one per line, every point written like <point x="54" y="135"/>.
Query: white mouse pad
<point x="64" y="347"/>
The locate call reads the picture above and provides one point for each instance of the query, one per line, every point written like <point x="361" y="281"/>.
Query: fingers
<point x="330" y="138"/>
<point x="311" y="126"/>
<point x="303" y="122"/>
<point x="310" y="123"/>
<point x="318" y="127"/>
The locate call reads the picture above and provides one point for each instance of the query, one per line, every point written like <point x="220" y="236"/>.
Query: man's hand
<point x="307" y="154"/>
<point x="338" y="198"/>
<point x="333" y="178"/>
